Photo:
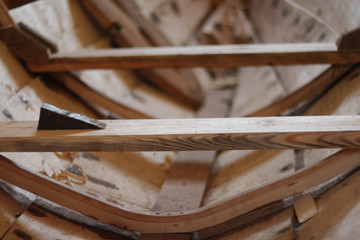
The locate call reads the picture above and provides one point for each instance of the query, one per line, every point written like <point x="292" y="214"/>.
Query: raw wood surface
<point x="197" y="56"/>
<point x="305" y="207"/>
<point x="184" y="187"/>
<point x="310" y="90"/>
<point x="188" y="134"/>
<point x="125" y="33"/>
<point x="5" y="18"/>
<point x="10" y="210"/>
<point x="187" y="221"/>
<point x="39" y="223"/>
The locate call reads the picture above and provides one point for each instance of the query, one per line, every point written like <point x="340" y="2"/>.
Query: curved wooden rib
<point x="204" y="217"/>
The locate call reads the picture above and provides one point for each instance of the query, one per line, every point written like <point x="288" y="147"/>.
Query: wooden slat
<point x="178" y="222"/>
<point x="188" y="135"/>
<point x="198" y="56"/>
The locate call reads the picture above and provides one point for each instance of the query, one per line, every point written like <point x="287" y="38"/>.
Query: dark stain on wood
<point x="75" y="169"/>
<point x="90" y="156"/>
<point x="7" y="114"/>
<point x="218" y="26"/>
<point x="24" y="100"/>
<point x="285" y="12"/>
<point x="297" y="20"/>
<point x="281" y="231"/>
<point x="275" y="3"/>
<point x="322" y="36"/>
<point x="36" y="212"/>
<point x="286" y="167"/>
<point x="154" y="18"/>
<point x="309" y="28"/>
<point x="22" y="235"/>
<point x="102" y="182"/>
<point x="175" y="7"/>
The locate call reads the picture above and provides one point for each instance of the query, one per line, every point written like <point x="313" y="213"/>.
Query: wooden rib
<point x="197" y="56"/>
<point x="188" y="135"/>
<point x="126" y="34"/>
<point x="313" y="88"/>
<point x="187" y="221"/>
<point x="75" y="85"/>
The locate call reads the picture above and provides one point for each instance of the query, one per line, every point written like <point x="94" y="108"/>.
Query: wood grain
<point x="197" y="56"/>
<point x="186" y="221"/>
<point x="188" y="135"/>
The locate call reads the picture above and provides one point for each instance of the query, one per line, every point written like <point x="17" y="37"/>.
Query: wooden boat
<point x="260" y="177"/>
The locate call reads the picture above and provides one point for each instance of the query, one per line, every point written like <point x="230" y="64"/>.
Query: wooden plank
<point x="187" y="221"/>
<point x="312" y="89"/>
<point x="197" y="56"/>
<point x="10" y="210"/>
<point x="39" y="223"/>
<point x="181" y="191"/>
<point x="188" y="135"/>
<point x="16" y="3"/>
<point x="126" y="34"/>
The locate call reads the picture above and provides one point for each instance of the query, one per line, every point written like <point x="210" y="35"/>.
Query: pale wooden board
<point x="128" y="179"/>
<point x="338" y="216"/>
<point x="10" y="210"/>
<point x="257" y="88"/>
<point x="63" y="22"/>
<point x="236" y="172"/>
<point x="342" y="16"/>
<point x="178" y="19"/>
<point x="38" y="223"/>
<point x="12" y="75"/>
<point x="274" y="18"/>
<point x="277" y="226"/>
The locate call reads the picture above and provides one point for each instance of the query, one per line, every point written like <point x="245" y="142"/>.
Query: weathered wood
<point x="88" y="94"/>
<point x="310" y="90"/>
<point x="198" y="56"/>
<point x="39" y="223"/>
<point x="183" y="191"/>
<point x="188" y="134"/>
<point x="126" y="34"/>
<point x="178" y="222"/>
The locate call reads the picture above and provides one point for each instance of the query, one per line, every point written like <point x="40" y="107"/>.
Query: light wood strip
<point x="187" y="221"/>
<point x="188" y="135"/>
<point x="197" y="56"/>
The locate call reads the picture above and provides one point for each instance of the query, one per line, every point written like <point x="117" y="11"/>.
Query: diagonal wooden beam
<point x="188" y="135"/>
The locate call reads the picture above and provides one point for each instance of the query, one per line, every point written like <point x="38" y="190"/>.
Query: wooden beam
<point x="204" y="217"/>
<point x="5" y="18"/>
<point x="198" y="56"/>
<point x="188" y="135"/>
